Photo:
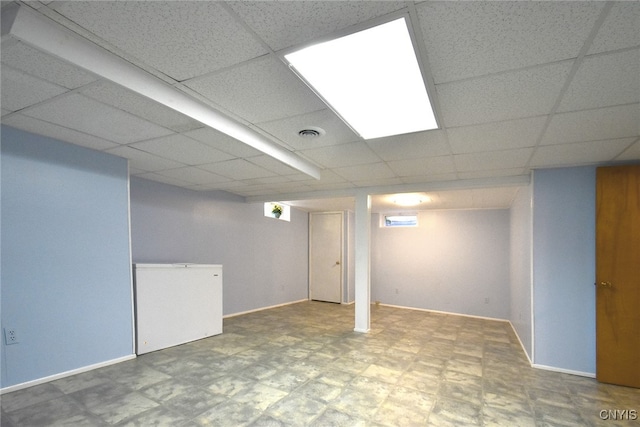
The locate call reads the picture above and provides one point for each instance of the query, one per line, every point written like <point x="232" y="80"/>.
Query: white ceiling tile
<point x="222" y="142"/>
<point x="620" y="29"/>
<point x="593" y="125"/>
<point x="512" y="95"/>
<point x="425" y="179"/>
<point x="119" y="97"/>
<point x="5" y="112"/>
<point x="604" y="80"/>
<point x="353" y="153"/>
<point x="288" y="23"/>
<point x="466" y="39"/>
<point x="496" y="136"/>
<point x="230" y="185"/>
<point x="410" y="146"/>
<point x="423" y="167"/>
<point x="21" y="90"/>
<point x="193" y="175"/>
<point x="182" y="149"/>
<point x="321" y="186"/>
<point x="493" y="173"/>
<point x="327" y="176"/>
<point x="143" y="160"/>
<point x="631" y="153"/>
<point x="280" y="180"/>
<point x="180" y="39"/>
<point x="272" y="164"/>
<point x="254" y="190"/>
<point x="493" y="160"/>
<point x="294" y="187"/>
<point x="161" y="178"/>
<point x="371" y="172"/>
<point x="579" y="153"/>
<point x="286" y="130"/>
<point x="238" y="169"/>
<point x="377" y="182"/>
<point x="299" y="176"/>
<point x="40" y="127"/>
<point x="136" y="171"/>
<point x="46" y="67"/>
<point x="89" y="116"/>
<point x="258" y="91"/>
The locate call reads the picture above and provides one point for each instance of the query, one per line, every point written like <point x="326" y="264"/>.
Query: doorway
<point x="326" y="251"/>
<point x="618" y="275"/>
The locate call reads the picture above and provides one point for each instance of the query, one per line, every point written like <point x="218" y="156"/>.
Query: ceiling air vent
<point x="311" y="132"/>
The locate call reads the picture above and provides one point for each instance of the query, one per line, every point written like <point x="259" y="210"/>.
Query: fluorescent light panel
<point x="371" y="79"/>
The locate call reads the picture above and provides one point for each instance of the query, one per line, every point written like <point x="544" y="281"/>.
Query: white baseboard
<point x="363" y="331"/>
<point x="240" y="313"/>
<point x="443" y="312"/>
<point x="65" y="374"/>
<point x="564" y="371"/>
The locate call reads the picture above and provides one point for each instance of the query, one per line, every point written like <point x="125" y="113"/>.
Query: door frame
<point x="342" y="251"/>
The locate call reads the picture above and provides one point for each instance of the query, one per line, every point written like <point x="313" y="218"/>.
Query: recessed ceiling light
<point x="371" y="79"/>
<point x="407" y="199"/>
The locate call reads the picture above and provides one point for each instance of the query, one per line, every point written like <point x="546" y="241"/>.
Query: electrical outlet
<point x="486" y="300"/>
<point x="10" y="336"/>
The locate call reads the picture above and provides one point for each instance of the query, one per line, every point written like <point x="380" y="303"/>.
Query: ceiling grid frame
<point x="565" y="132"/>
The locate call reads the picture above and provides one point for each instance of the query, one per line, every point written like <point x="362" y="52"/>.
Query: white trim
<point x="531" y="266"/>
<point x="564" y="371"/>
<point x="240" y="313"/>
<point x="362" y="331"/>
<point x="133" y="297"/>
<point x="445" y="312"/>
<point x="65" y="374"/>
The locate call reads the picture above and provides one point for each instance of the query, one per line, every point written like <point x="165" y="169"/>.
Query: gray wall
<point x="453" y="261"/>
<point x="66" y="266"/>
<point x="564" y="268"/>
<point x="265" y="261"/>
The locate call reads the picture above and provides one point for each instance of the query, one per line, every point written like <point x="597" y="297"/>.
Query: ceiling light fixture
<point x="46" y="35"/>
<point x="407" y="199"/>
<point x="371" y="79"/>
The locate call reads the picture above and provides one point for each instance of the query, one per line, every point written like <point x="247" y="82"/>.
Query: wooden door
<point x="325" y="256"/>
<point x="618" y="275"/>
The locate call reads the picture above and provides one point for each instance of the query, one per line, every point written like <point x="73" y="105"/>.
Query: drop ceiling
<point x="516" y="86"/>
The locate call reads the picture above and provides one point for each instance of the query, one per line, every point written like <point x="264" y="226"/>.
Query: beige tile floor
<point x="302" y="365"/>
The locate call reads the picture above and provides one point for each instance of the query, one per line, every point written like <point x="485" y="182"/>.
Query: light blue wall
<point x="520" y="290"/>
<point x="452" y="262"/>
<point x="66" y="275"/>
<point x="564" y="268"/>
<point x="265" y="261"/>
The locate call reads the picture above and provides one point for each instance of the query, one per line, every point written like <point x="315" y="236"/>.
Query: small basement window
<point x="277" y="210"/>
<point x="399" y="220"/>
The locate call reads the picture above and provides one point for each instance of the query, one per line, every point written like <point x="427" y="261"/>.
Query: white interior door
<point x="325" y="256"/>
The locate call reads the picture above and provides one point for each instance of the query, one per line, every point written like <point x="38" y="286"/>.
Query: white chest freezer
<point x="176" y="303"/>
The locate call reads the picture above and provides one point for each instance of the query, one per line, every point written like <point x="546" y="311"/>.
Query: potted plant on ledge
<point x="276" y="211"/>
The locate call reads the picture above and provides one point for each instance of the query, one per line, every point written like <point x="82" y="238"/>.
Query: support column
<point x="363" y="262"/>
